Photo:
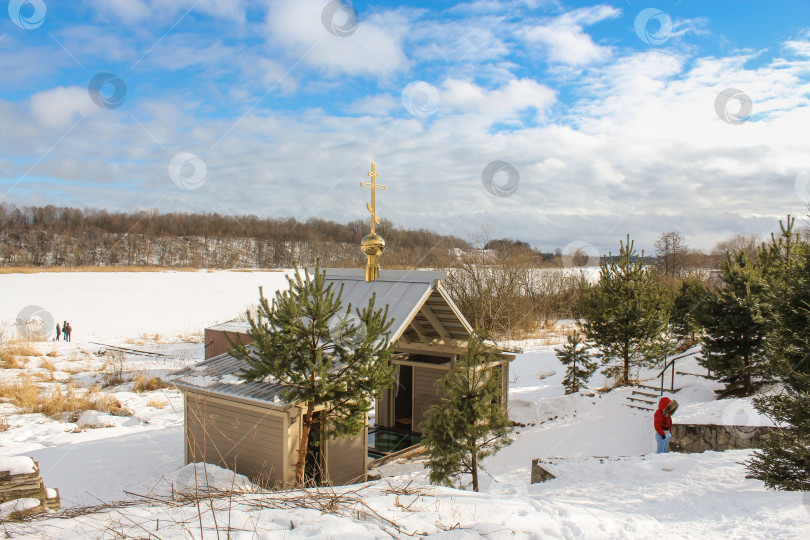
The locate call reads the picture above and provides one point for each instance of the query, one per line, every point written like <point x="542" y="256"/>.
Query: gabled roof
<point x="424" y="316"/>
<point x="218" y="375"/>
<point x="410" y="295"/>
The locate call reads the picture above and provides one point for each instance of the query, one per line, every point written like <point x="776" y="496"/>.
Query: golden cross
<point x="374" y="187"/>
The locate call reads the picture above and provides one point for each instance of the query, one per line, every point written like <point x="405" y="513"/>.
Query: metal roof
<point x="232" y="326"/>
<point x="404" y="291"/>
<point x="218" y="375"/>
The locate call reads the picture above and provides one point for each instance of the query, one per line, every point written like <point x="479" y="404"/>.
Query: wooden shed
<point x="429" y="331"/>
<point x="248" y="428"/>
<point x="216" y="337"/>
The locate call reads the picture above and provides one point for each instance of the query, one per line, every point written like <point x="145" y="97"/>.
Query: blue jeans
<point x="663" y="444"/>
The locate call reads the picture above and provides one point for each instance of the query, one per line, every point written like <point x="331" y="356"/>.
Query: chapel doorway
<point x="403" y="403"/>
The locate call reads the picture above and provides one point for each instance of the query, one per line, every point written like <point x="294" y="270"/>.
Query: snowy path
<point x="93" y="471"/>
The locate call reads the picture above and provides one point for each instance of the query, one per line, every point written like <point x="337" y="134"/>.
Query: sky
<point x="563" y="124"/>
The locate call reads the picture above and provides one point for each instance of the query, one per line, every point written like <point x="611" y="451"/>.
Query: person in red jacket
<point x="663" y="423"/>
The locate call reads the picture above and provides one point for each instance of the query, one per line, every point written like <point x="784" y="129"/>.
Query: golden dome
<point x="373" y="244"/>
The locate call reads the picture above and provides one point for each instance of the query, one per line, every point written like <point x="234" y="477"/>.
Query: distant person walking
<point x="662" y="421"/>
<point x="58" y="332"/>
<point x="68" y="331"/>
<point x="64" y="330"/>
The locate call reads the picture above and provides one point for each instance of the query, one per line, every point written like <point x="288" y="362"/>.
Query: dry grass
<point x="156" y="403"/>
<point x="47" y="364"/>
<point x="12" y="353"/>
<point x="11" y="362"/>
<point x="29" y="398"/>
<point x="3" y="424"/>
<point x="146" y="339"/>
<point x="142" y="384"/>
<point x="40" y="269"/>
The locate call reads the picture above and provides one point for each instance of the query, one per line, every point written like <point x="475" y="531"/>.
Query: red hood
<point x="662" y="404"/>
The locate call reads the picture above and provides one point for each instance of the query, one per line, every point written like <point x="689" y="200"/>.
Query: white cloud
<point x="499" y="105"/>
<point x="565" y="40"/>
<point x="136" y="11"/>
<point x="374" y="48"/>
<point x="62" y="106"/>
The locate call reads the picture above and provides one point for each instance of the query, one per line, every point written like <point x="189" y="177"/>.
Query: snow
<point x="17" y="465"/>
<point x="17" y="505"/>
<point x="203" y="476"/>
<point x="168" y="302"/>
<point x="609" y="483"/>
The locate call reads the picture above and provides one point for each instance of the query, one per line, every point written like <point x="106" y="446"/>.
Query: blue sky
<point x="605" y="114"/>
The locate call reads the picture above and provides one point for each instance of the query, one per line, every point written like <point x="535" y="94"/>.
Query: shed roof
<point x="218" y="375"/>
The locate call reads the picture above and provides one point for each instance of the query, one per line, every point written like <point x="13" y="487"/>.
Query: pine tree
<point x="784" y="459"/>
<point x="736" y="324"/>
<point x="688" y="308"/>
<point x="575" y="355"/>
<point x="626" y="314"/>
<point x="469" y="423"/>
<point x="304" y="342"/>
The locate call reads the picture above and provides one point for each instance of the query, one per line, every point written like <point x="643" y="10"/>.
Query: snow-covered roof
<point x="219" y="375"/>
<point x="231" y="326"/>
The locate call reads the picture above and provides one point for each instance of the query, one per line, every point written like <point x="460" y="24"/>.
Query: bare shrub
<point x="508" y="294"/>
<point x="114" y="369"/>
<point x="142" y="384"/>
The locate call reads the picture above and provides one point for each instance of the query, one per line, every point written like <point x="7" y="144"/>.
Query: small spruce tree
<point x="783" y="462"/>
<point x="303" y="341"/>
<point x="469" y="423"/>
<point x="736" y="324"/>
<point x="688" y="307"/>
<point x="580" y="365"/>
<point x="626" y="314"/>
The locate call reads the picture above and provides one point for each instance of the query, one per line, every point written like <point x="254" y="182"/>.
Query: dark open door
<point x="403" y="402"/>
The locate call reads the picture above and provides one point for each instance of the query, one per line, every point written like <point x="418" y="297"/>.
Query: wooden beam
<point x="453" y="348"/>
<point x="435" y="322"/>
<point x="417" y="327"/>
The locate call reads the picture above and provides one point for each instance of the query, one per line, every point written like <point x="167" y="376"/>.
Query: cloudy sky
<point x="557" y="123"/>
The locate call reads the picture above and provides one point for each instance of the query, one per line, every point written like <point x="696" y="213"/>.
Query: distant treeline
<point x="62" y="236"/>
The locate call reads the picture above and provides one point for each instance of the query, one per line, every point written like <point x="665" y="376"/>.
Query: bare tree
<point x="671" y="251"/>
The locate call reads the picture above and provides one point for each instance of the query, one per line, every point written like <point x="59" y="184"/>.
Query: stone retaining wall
<point x="696" y="438"/>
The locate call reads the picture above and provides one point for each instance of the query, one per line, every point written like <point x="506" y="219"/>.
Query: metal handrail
<point x="666" y="366"/>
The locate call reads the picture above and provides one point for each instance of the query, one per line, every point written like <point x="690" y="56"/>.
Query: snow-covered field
<point x="609" y="482"/>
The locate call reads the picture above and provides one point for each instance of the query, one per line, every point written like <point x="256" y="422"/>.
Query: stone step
<point x="649" y="395"/>
<point x="647" y="401"/>
<point x="658" y="388"/>
<point x="638" y="407"/>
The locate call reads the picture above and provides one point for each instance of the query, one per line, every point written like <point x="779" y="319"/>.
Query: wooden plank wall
<point x="426" y="393"/>
<point x="346" y="459"/>
<point x="246" y="439"/>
